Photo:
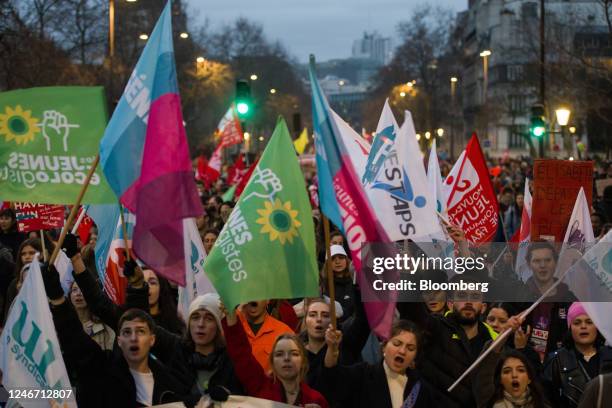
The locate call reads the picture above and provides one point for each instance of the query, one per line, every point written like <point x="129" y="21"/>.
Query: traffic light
<point x="243" y="99"/>
<point x="537" y="122"/>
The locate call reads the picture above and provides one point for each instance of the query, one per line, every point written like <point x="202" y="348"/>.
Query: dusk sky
<point x="326" y="28"/>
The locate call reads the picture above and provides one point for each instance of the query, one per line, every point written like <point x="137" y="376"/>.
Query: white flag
<point x="578" y="235"/>
<point x="398" y="191"/>
<point x="435" y="180"/>
<point x="63" y="265"/>
<point x="579" y="230"/>
<point x="196" y="281"/>
<point x="590" y="279"/>
<point x="30" y="355"/>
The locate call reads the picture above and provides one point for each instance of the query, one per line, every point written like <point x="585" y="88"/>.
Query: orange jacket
<point x="261" y="344"/>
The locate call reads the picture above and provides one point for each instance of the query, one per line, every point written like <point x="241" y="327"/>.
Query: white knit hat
<point x="209" y="302"/>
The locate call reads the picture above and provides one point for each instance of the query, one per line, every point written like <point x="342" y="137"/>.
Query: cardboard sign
<point x="556" y="184"/>
<point x="36" y="217"/>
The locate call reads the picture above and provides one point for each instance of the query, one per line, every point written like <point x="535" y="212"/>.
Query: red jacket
<point x="252" y="375"/>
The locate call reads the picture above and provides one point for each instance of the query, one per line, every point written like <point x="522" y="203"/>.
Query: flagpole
<point x="75" y="209"/>
<point x="502" y="337"/>
<point x="330" y="275"/>
<point x="124" y="231"/>
<point x="42" y="243"/>
<point x="78" y="221"/>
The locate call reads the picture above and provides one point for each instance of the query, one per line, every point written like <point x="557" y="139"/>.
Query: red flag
<point x="245" y="180"/>
<point x="472" y="204"/>
<point x="84" y="227"/>
<point x="209" y="170"/>
<point x="229" y="129"/>
<point x="201" y="170"/>
<point x="237" y="171"/>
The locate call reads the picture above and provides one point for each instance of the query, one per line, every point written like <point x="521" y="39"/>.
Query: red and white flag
<point x="210" y="170"/>
<point x="236" y="171"/>
<point x="229" y="130"/>
<point x="472" y="204"/>
<point x="524" y="236"/>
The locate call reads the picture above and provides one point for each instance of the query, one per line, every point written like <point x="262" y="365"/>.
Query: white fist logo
<point x="55" y="126"/>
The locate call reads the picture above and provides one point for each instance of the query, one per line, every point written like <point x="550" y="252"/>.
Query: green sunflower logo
<point x="279" y="220"/>
<point x="18" y="125"/>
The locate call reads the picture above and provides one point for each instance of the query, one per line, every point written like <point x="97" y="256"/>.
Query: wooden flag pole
<point x="44" y="247"/>
<point x="75" y="209"/>
<point x="124" y="231"/>
<point x="503" y="336"/>
<point x="330" y="274"/>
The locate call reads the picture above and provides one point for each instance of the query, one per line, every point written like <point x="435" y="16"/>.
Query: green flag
<point x="48" y="139"/>
<point x="229" y="194"/>
<point x="266" y="249"/>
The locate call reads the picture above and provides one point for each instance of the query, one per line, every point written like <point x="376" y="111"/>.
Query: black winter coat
<point x="365" y="385"/>
<point x="184" y="362"/>
<point x="105" y="380"/>
<point x="447" y="353"/>
<point x="355" y="332"/>
<point x="564" y="377"/>
<point x="101" y="306"/>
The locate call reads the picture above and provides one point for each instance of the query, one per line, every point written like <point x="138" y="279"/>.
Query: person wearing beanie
<point x="582" y="358"/>
<point x="199" y="357"/>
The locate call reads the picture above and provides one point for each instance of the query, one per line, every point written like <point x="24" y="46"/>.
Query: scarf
<point x="523" y="401"/>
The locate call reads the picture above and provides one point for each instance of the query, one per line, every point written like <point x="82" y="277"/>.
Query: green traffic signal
<point x="538" y="131"/>
<point x="537" y="121"/>
<point x="242" y="108"/>
<point x="243" y="99"/>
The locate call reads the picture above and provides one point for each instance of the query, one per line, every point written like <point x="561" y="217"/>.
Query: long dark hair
<point x="167" y="307"/>
<point x="34" y="243"/>
<point x="537" y="394"/>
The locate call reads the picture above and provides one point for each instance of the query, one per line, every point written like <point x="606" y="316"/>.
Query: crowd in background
<point x="143" y="353"/>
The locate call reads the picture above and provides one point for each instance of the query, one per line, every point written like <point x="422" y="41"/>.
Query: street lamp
<point x="200" y="60"/>
<point x="427" y="135"/>
<point x="402" y="94"/>
<point x="143" y="36"/>
<point x="572" y="129"/>
<point x="440" y="132"/>
<point x="184" y="35"/>
<point x="485" y="70"/>
<point x="272" y="91"/>
<point x="418" y="137"/>
<point x="563" y="115"/>
<point x="253" y="77"/>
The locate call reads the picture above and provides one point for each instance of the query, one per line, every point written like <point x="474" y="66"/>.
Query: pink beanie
<point x="575" y="310"/>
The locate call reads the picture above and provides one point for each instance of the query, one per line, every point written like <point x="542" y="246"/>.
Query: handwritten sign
<point x="556" y="185"/>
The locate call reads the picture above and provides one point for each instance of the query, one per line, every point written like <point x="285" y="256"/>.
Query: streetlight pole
<point x="485" y="73"/>
<point x="453" y="84"/>
<point x="111" y="47"/>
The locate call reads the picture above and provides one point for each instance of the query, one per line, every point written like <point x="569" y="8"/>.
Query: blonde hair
<point x="300" y="345"/>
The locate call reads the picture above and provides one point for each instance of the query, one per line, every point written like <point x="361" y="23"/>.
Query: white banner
<point x="30" y="357"/>
<point x="196" y="280"/>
